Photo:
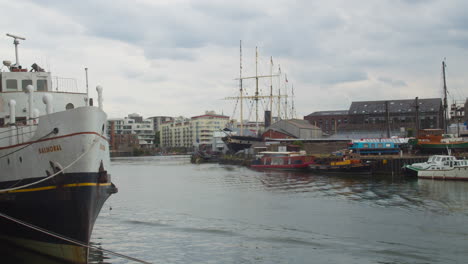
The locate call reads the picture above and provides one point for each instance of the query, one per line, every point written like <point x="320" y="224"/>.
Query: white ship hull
<point x="460" y="173"/>
<point x="71" y="144"/>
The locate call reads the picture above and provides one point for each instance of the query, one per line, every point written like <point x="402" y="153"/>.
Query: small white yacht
<point x="441" y="167"/>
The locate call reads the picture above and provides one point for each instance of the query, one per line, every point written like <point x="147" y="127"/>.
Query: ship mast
<point x="293" y="110"/>
<point x="286" y="99"/>
<point x="271" y="85"/>
<point x="256" y="96"/>
<point x="241" y="93"/>
<point x="256" y="88"/>
<point x="445" y="121"/>
<point x="279" y="92"/>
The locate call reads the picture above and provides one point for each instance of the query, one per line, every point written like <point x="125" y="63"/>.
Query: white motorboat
<point x="441" y="167"/>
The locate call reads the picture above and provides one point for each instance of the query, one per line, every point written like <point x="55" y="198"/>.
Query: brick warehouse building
<point x="372" y="116"/>
<point x="328" y="121"/>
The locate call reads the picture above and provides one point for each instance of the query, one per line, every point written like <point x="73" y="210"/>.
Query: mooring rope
<point x="54" y="131"/>
<point x="55" y="174"/>
<point x="50" y="233"/>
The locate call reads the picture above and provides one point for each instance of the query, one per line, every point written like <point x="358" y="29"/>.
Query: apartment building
<point x="194" y="132"/>
<point x="133" y="124"/>
<point x="176" y="133"/>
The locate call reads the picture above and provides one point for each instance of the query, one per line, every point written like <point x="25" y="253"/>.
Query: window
<point x="42" y="86"/>
<point x="388" y="145"/>
<point x="365" y="145"/>
<point x="25" y="83"/>
<point x="12" y="85"/>
<point x="380" y="145"/>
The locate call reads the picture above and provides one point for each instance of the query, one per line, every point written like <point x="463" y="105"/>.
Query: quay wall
<point x="381" y="165"/>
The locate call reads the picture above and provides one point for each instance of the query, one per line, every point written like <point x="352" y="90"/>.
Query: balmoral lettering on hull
<point x="50" y="149"/>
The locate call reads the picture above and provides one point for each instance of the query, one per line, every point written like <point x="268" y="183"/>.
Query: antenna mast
<point x="16" y="42"/>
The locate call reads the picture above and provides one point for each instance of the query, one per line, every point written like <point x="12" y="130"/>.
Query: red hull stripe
<point x="52" y="138"/>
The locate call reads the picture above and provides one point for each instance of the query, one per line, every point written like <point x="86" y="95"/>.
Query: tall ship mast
<point x="241" y="141"/>
<point x="54" y="158"/>
<point x="438" y="140"/>
<point x="446" y="118"/>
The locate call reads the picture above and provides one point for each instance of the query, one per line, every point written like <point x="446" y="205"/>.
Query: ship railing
<point x="16" y="134"/>
<point x="65" y="85"/>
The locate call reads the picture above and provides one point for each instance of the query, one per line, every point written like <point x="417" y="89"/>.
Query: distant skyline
<point x="181" y="58"/>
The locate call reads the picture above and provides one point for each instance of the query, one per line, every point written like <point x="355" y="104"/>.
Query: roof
<point x="326" y="113"/>
<point x="216" y="116"/>
<point x="285" y="127"/>
<point x="298" y="123"/>
<point x="396" y="106"/>
<point x="277" y="129"/>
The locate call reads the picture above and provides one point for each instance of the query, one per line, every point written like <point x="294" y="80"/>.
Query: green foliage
<point x="299" y="143"/>
<point x="157" y="139"/>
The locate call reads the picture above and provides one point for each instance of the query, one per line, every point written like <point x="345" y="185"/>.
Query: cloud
<point x="181" y="57"/>
<point x="392" y="82"/>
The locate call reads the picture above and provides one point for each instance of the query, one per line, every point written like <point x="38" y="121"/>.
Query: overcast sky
<point x="180" y="58"/>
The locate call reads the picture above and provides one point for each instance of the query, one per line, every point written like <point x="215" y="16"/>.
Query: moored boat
<point x="284" y="160"/>
<point x="54" y="158"/>
<point x="343" y="166"/>
<point x="434" y="141"/>
<point x="440" y="167"/>
<point x="238" y="143"/>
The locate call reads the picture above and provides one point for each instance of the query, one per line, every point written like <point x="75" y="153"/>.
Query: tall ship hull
<point x="238" y="143"/>
<point x="54" y="158"/>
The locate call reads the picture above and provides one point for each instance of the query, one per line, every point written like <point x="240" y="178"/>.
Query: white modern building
<point x="194" y="132"/>
<point x="176" y="133"/>
<point x="134" y="124"/>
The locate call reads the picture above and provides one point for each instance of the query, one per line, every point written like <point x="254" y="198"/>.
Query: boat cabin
<point x="13" y="87"/>
<point x="282" y="158"/>
<point x="20" y="105"/>
<point x="374" y="148"/>
<point x="18" y="81"/>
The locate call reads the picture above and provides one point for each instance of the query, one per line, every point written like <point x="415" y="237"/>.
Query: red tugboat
<point x="282" y="160"/>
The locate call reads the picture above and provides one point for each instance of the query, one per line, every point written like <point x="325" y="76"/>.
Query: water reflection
<point x="384" y="191"/>
<point x="171" y="211"/>
<point x="97" y="256"/>
<point x="451" y="195"/>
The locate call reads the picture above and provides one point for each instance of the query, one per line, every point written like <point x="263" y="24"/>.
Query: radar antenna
<point x="16" y="42"/>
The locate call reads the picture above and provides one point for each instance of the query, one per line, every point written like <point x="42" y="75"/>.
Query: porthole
<point x="69" y="106"/>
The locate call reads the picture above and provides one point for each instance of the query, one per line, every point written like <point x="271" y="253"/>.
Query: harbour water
<point x="168" y="210"/>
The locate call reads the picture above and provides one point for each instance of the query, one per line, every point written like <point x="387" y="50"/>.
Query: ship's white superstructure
<point x="54" y="157"/>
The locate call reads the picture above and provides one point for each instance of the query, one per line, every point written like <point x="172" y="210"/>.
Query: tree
<point x="157" y="140"/>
